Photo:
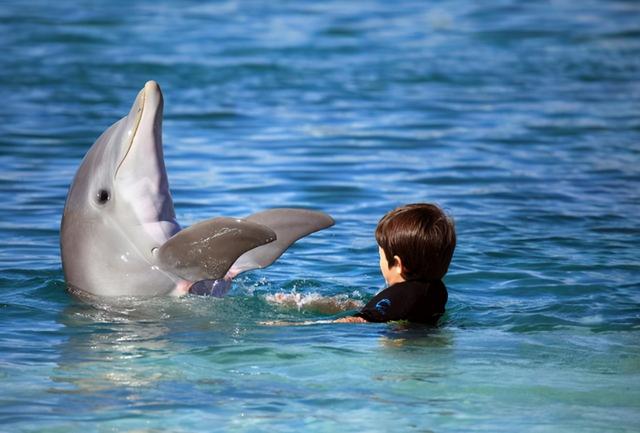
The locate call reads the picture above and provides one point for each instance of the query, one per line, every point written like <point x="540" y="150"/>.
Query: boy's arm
<point x="350" y="319"/>
<point x="325" y="305"/>
<point x="314" y="302"/>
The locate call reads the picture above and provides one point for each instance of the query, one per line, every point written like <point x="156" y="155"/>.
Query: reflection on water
<point x="126" y="351"/>
<point x="107" y="347"/>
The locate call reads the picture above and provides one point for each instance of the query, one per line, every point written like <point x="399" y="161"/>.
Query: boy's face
<point x="393" y="274"/>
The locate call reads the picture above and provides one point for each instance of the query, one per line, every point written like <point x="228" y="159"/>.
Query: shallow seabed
<point x="521" y="118"/>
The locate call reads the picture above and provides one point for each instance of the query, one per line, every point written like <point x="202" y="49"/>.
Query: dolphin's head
<point x="119" y="208"/>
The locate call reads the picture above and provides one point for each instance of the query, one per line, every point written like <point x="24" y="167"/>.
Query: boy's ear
<point x="397" y="264"/>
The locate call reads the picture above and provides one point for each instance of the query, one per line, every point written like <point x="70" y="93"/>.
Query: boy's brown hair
<point x="424" y="238"/>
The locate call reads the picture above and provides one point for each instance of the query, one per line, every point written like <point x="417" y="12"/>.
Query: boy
<point x="415" y="243"/>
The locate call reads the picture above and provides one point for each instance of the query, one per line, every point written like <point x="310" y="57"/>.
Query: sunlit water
<point x="522" y="119"/>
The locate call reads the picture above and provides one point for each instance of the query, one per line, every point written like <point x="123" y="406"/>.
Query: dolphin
<point x="119" y="236"/>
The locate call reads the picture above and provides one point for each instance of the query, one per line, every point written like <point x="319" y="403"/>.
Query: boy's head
<point x="422" y="236"/>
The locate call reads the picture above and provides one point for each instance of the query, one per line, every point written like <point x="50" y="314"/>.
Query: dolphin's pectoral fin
<point x="289" y="226"/>
<point x="206" y="250"/>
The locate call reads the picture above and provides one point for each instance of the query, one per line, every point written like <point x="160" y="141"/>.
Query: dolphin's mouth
<point x="135" y="115"/>
<point x="140" y="180"/>
<point x="144" y="125"/>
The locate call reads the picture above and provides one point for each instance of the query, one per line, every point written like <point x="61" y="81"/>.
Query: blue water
<point x="522" y="119"/>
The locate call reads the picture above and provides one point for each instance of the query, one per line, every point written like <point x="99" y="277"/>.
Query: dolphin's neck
<point x="160" y="231"/>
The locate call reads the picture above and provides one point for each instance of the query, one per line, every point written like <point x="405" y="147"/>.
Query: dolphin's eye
<point x="103" y="196"/>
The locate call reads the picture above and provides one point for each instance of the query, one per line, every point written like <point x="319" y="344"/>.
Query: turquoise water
<point x="522" y="119"/>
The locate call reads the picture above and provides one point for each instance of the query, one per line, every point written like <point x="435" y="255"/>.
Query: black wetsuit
<point x="415" y="301"/>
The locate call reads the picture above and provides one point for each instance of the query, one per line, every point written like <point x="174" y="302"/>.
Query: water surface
<point x="522" y="119"/>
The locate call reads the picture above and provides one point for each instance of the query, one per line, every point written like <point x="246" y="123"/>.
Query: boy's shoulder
<point x="416" y="301"/>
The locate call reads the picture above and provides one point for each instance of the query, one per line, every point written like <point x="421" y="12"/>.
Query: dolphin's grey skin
<point x="119" y="235"/>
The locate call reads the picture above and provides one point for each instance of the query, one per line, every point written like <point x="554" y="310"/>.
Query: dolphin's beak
<point x="140" y="181"/>
<point x="143" y="155"/>
<point x="153" y="106"/>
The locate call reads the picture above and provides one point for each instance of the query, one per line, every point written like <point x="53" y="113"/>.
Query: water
<point x="522" y="119"/>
